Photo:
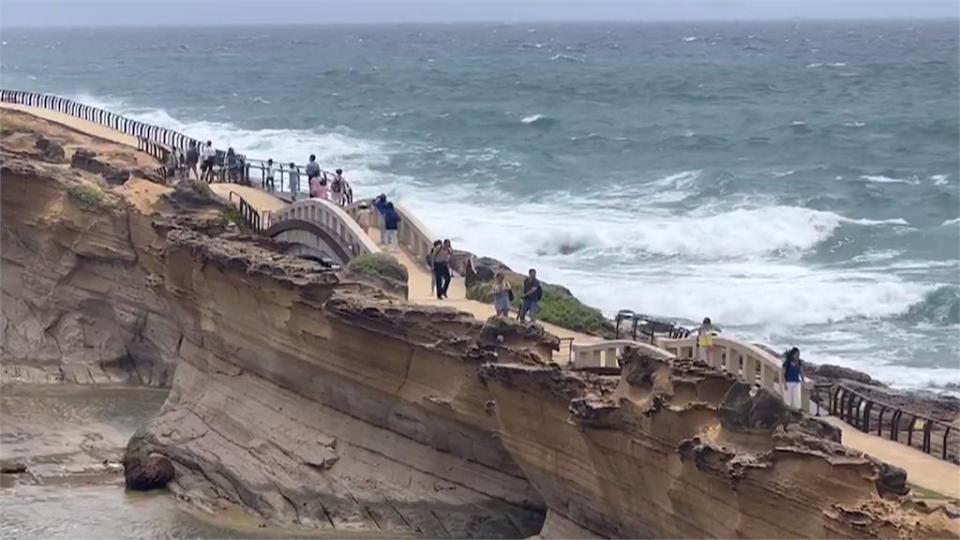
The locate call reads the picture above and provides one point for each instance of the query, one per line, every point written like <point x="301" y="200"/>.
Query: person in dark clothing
<point x="391" y="226"/>
<point x="441" y="268"/>
<point x="380" y="203"/>
<point x="193" y="157"/>
<point x="313" y="169"/>
<point x="233" y="166"/>
<point x="532" y="293"/>
<point x="433" y="275"/>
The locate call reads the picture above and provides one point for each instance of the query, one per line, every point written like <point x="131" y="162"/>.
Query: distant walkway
<point x="78" y="124"/>
<point x="259" y="199"/>
<point x="922" y="469"/>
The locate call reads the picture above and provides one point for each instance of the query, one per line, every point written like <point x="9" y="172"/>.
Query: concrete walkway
<point x="89" y="128"/>
<point x="261" y="200"/>
<point x="922" y="469"/>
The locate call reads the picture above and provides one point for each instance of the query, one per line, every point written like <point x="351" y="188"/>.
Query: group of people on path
<point x="532" y="293"/>
<point x="791" y="368"/>
<point x="205" y="156"/>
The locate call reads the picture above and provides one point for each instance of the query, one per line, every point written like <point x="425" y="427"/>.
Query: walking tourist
<point x="391" y="225"/>
<point x="208" y="154"/>
<point x="269" y="171"/>
<point x="793" y="379"/>
<point x="336" y="188"/>
<point x="171" y="165"/>
<point x="193" y="157"/>
<point x="532" y="294"/>
<point x="705" y="347"/>
<point x="433" y="275"/>
<point x="233" y="166"/>
<point x="313" y="168"/>
<point x="293" y="181"/>
<point x="502" y="295"/>
<point x="441" y="268"/>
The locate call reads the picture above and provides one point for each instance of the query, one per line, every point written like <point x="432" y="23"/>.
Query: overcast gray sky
<point x="224" y="12"/>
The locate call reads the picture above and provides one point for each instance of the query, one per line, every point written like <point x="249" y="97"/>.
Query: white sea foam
<point x="815" y="65"/>
<point x="880" y="179"/>
<point x="854" y="124"/>
<point x="567" y="57"/>
<point x="781" y="174"/>
<point x="951" y="222"/>
<point x="939" y="179"/>
<point x="690" y="38"/>
<point x="532" y="118"/>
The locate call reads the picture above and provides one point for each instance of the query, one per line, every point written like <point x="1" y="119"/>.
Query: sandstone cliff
<point x="75" y="305"/>
<point x="312" y="399"/>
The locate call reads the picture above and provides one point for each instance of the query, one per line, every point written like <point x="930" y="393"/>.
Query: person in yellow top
<point x="705" y="335"/>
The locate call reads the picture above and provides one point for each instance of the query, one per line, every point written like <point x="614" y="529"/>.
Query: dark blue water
<point x="796" y="182"/>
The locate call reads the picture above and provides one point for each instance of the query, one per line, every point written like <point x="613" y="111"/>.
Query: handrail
<point x="605" y="353"/>
<point x="856" y="408"/>
<point x="248" y="213"/>
<point x="334" y="218"/>
<point x="743" y="360"/>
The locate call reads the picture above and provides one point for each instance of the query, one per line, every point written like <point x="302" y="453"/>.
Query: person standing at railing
<point x="312" y="169"/>
<point x="391" y="225"/>
<point x="293" y="181"/>
<point x="705" y="346"/>
<point x="380" y="203"/>
<point x="193" y="157"/>
<point x="233" y="166"/>
<point x="433" y="275"/>
<point x="269" y="171"/>
<point x="793" y="379"/>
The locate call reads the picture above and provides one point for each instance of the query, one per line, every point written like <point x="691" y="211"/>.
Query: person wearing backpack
<point x="532" y="294"/>
<point x="503" y="295"/>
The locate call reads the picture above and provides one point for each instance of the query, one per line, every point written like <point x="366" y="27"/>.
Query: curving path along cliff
<point x="309" y="399"/>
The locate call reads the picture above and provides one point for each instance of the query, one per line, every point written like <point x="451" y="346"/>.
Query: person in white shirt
<point x="208" y="154"/>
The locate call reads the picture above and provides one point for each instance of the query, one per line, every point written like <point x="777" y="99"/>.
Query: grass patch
<point x="557" y="306"/>
<point x="925" y="493"/>
<point x="202" y="188"/>
<point x="232" y="215"/>
<point x="378" y="265"/>
<point x="88" y="196"/>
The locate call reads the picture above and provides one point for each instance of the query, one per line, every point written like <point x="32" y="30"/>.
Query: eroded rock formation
<point x="313" y="399"/>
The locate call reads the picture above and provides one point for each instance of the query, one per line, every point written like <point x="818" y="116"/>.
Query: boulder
<point x="87" y="160"/>
<point x="146" y="472"/>
<point x="829" y="372"/>
<point x="50" y="151"/>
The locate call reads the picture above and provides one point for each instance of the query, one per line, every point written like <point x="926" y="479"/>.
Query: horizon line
<point x="921" y="18"/>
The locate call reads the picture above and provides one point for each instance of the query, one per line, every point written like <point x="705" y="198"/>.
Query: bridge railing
<point x="412" y="235"/>
<point x="333" y="218"/>
<point x="743" y="360"/>
<point x="606" y="353"/>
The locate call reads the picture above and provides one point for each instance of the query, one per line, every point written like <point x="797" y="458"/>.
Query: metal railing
<point x="647" y="327"/>
<point x="251" y="217"/>
<point x="871" y="416"/>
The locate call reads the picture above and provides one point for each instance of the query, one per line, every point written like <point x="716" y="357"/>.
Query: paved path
<point x="261" y="200"/>
<point x="922" y="469"/>
<point x="76" y="123"/>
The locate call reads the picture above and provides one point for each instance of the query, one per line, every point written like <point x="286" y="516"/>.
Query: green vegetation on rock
<point x="201" y="188"/>
<point x="88" y="196"/>
<point x="378" y="265"/>
<point x="557" y="306"/>
<point x="232" y="215"/>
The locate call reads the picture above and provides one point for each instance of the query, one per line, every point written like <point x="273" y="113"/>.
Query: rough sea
<point x="795" y="181"/>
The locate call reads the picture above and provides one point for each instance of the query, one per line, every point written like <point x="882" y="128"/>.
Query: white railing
<point x="413" y="234"/>
<point x="333" y="218"/>
<point x="604" y="354"/>
<point x="743" y="360"/>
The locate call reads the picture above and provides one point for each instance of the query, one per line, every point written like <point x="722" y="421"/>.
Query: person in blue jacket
<point x="380" y="203"/>
<point x="391" y="226"/>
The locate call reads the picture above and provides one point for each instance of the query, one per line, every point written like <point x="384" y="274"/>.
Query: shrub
<point x="87" y="195"/>
<point x="232" y="215"/>
<point x="378" y="265"/>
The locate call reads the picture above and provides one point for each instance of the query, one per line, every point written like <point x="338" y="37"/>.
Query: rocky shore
<point x="317" y="399"/>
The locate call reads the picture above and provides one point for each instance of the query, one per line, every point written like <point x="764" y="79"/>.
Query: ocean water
<point x="796" y="182"/>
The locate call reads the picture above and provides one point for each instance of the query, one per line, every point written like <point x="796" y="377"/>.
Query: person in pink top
<point x="319" y="188"/>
